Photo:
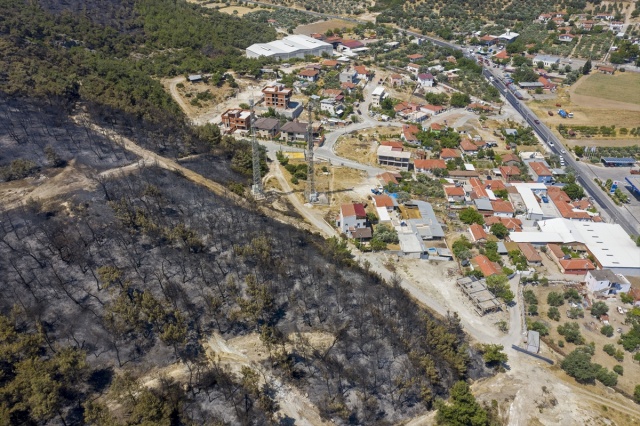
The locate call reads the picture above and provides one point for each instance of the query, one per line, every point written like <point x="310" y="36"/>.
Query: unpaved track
<point x="150" y="157"/>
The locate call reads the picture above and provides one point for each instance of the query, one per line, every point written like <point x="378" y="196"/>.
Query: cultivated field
<point x="241" y="10"/>
<point x="621" y="87"/>
<point x="596" y="100"/>
<point x="323" y="26"/>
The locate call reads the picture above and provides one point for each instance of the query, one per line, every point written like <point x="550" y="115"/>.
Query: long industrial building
<point x="293" y="46"/>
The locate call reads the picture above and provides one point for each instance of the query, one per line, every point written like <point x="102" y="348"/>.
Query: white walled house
<point x="604" y="281"/>
<point x="377" y="96"/>
<point x="352" y="216"/>
<point x="425" y="80"/>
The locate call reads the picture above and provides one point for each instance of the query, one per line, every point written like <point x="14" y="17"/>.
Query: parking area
<point x="630" y="210"/>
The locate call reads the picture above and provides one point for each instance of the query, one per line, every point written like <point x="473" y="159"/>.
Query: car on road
<point x="536" y="121"/>
<point x="550" y="143"/>
<point x="563" y="151"/>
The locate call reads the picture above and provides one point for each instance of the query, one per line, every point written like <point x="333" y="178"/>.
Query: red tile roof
<point x="467" y="145"/>
<point x="410" y="131"/>
<point x="529" y="252"/>
<point x="510" y="157"/>
<point x="502" y="55"/>
<point x="502" y="206"/>
<point x="352" y="44"/>
<point x="454" y="191"/>
<point x="513" y="224"/>
<point x="308" y="73"/>
<point x="430" y="164"/>
<point x="495" y="185"/>
<point x="576" y="264"/>
<point x="361" y="69"/>
<point x="561" y="200"/>
<point x="329" y="63"/>
<point x="392" y="144"/>
<point x="382" y="201"/>
<point x="415" y="56"/>
<point x="509" y="171"/>
<point x="353" y="209"/>
<point x="449" y="153"/>
<point x="387" y="178"/>
<point x="540" y="169"/>
<point x="486" y="266"/>
<point x="436" y="126"/>
<point x="477" y="232"/>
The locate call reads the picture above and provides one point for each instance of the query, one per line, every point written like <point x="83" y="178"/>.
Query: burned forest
<point x="137" y="270"/>
<point x="123" y="280"/>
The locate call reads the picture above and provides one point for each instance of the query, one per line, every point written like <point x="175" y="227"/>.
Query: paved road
<point x="606" y="204"/>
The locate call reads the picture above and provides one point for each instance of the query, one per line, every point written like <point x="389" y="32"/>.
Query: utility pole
<point x="311" y="195"/>
<point x="256" y="188"/>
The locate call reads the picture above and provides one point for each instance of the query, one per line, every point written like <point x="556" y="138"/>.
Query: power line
<point x="256" y="188"/>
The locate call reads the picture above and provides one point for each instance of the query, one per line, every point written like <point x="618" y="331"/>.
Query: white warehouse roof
<point x="291" y="46"/>
<point x="378" y="91"/>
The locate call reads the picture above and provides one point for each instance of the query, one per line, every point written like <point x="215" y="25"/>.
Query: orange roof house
<point x="477" y="233"/>
<point x="449" y="154"/>
<point x="486" y="266"/>
<point x="576" y="266"/>
<point x="424" y="165"/>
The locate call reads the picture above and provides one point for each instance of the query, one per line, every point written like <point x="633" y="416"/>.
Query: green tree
<point x="498" y="284"/>
<point x="555" y="299"/>
<point x="493" y="354"/>
<point x="463" y="410"/>
<point x="554" y="313"/>
<point x="574" y="191"/>
<point x="470" y="216"/>
<point x="607" y="330"/>
<point x="599" y="308"/>
<point x="386" y="233"/>
<point x="539" y="327"/>
<point x="578" y="365"/>
<point x="586" y="69"/>
<point x="499" y="230"/>
<point x="571" y="332"/>
<point x="459" y="100"/>
<point x="618" y="369"/>
<point x="636" y="394"/>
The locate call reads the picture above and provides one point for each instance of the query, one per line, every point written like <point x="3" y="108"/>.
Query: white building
<point x="377" y="96"/>
<point x="547" y="60"/>
<point x="605" y="282"/>
<point x="388" y="156"/>
<point x="526" y="191"/>
<point x="352" y="216"/>
<point x="425" y="79"/>
<point x="331" y="106"/>
<point x="293" y="46"/>
<point x="607" y="242"/>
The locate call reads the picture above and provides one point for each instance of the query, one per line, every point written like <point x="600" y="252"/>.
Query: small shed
<point x="533" y="341"/>
<point x="195" y="78"/>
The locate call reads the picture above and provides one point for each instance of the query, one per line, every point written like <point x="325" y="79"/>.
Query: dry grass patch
<point x="621" y="87"/>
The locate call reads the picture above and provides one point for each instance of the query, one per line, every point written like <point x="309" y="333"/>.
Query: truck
<point x="562" y="113"/>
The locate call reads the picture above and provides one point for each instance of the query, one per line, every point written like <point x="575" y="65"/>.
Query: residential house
<point x="352" y="217"/>
<point x="547" y="60"/>
<point x="294" y="131"/>
<point x="413" y="68"/>
<point x="484" y="206"/>
<point x="330" y="63"/>
<point x="547" y="84"/>
<point x="362" y="73"/>
<point x="384" y="201"/>
<point x="511" y="223"/>
<point x="478" y="234"/>
<point x="566" y="37"/>
<point x="604" y="16"/>
<point x="635" y="294"/>
<point x="509" y="172"/>
<point x="604" y="69"/>
<point x="415" y="57"/>
<point x="277" y="96"/>
<point x="606" y="282"/>
<point x="586" y="25"/>
<point x="236" y="119"/>
<point x="386" y="178"/>
<point x="362" y="235"/>
<point x="510" y="160"/>
<point x="348" y="86"/>
<point x="428" y="166"/>
<point x="394" y="157"/>
<point x="616" y="26"/>
<point x="335" y="94"/>
<point x="488" y="40"/>
<point x="468" y="147"/>
<point x="377" y="96"/>
<point x="409" y="134"/>
<point x="393" y="144"/>
<point x="348" y="76"/>
<point x="530" y="253"/>
<point x="558" y="20"/>
<point x="455" y="194"/>
<point x="486" y="266"/>
<point x="267" y="128"/>
<point x="448" y="154"/>
<point x="350" y="45"/>
<point x="508" y="36"/>
<point x="309" y="75"/>
<point x="396" y="80"/>
<point x="544" y="17"/>
<point x="425" y="80"/>
<point x="437" y="128"/>
<point x="576" y="266"/>
<point x="332" y="107"/>
<point x="432" y="109"/>
<point x="503" y="55"/>
<point x="502" y="208"/>
<point x="540" y="172"/>
<point x="563" y="204"/>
